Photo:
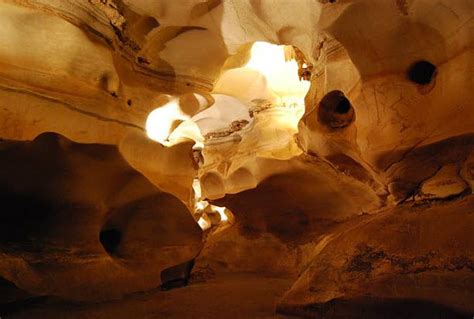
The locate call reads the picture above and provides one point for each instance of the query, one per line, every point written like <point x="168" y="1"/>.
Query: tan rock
<point x="78" y="222"/>
<point x="445" y="183"/>
<point x="467" y="171"/>
<point x="316" y="123"/>
<point x="379" y="263"/>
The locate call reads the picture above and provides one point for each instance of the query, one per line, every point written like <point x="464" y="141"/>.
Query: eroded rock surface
<point x="348" y="171"/>
<point x="78" y="222"/>
<point x="421" y="256"/>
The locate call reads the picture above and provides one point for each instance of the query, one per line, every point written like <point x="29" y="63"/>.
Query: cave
<point x="236" y="159"/>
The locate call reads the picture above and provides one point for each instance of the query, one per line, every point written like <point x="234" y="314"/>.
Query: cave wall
<point x="371" y="190"/>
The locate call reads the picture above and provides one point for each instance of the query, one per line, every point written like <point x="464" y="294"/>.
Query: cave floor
<point x="227" y="295"/>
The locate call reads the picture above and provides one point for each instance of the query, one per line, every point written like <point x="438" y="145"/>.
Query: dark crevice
<point x="372" y="308"/>
<point x="110" y="240"/>
<point x="14" y="299"/>
<point x="176" y="276"/>
<point x="343" y="106"/>
<point x="23" y="217"/>
<point x="11" y="308"/>
<point x="421" y="72"/>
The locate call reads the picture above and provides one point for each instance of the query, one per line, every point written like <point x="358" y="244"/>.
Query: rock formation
<point x="328" y="144"/>
<point x="79" y="222"/>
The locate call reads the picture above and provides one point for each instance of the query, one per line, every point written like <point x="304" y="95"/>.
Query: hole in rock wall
<point x="343" y="106"/>
<point x="9" y="293"/>
<point x="421" y="72"/>
<point x="335" y="110"/>
<point x="110" y="240"/>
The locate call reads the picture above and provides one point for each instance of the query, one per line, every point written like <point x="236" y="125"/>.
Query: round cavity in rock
<point x="335" y="110"/>
<point x="110" y="239"/>
<point x="421" y="72"/>
<point x="343" y="106"/>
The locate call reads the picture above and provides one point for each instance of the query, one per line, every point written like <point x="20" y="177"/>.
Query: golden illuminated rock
<point x="322" y="150"/>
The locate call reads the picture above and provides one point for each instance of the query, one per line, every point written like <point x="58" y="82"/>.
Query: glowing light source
<point x="171" y="123"/>
<point x="276" y="67"/>
<point x="197" y="188"/>
<point x="221" y="211"/>
<point x="203" y="206"/>
<point x="160" y="121"/>
<point x="204" y="222"/>
<point x="281" y="73"/>
<point x="272" y="75"/>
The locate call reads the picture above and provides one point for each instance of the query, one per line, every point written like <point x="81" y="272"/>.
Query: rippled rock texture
<point x="127" y="124"/>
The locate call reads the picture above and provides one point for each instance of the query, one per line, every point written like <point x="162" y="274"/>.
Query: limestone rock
<point x="402" y="262"/>
<point x="446" y="183"/>
<point x="80" y="223"/>
<point x="467" y="171"/>
<point x="325" y="142"/>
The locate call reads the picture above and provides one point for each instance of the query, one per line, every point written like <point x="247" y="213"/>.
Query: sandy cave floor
<point x="228" y="295"/>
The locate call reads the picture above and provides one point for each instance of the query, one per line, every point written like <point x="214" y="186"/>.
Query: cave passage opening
<point x="260" y="78"/>
<point x="269" y="76"/>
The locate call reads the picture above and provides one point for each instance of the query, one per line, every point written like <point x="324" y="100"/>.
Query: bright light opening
<point x="207" y="213"/>
<point x="222" y="213"/>
<point x="278" y="65"/>
<point x="272" y="74"/>
<point x="275" y="75"/>
<point x="171" y="123"/>
<point x="204" y="223"/>
<point x="159" y="123"/>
